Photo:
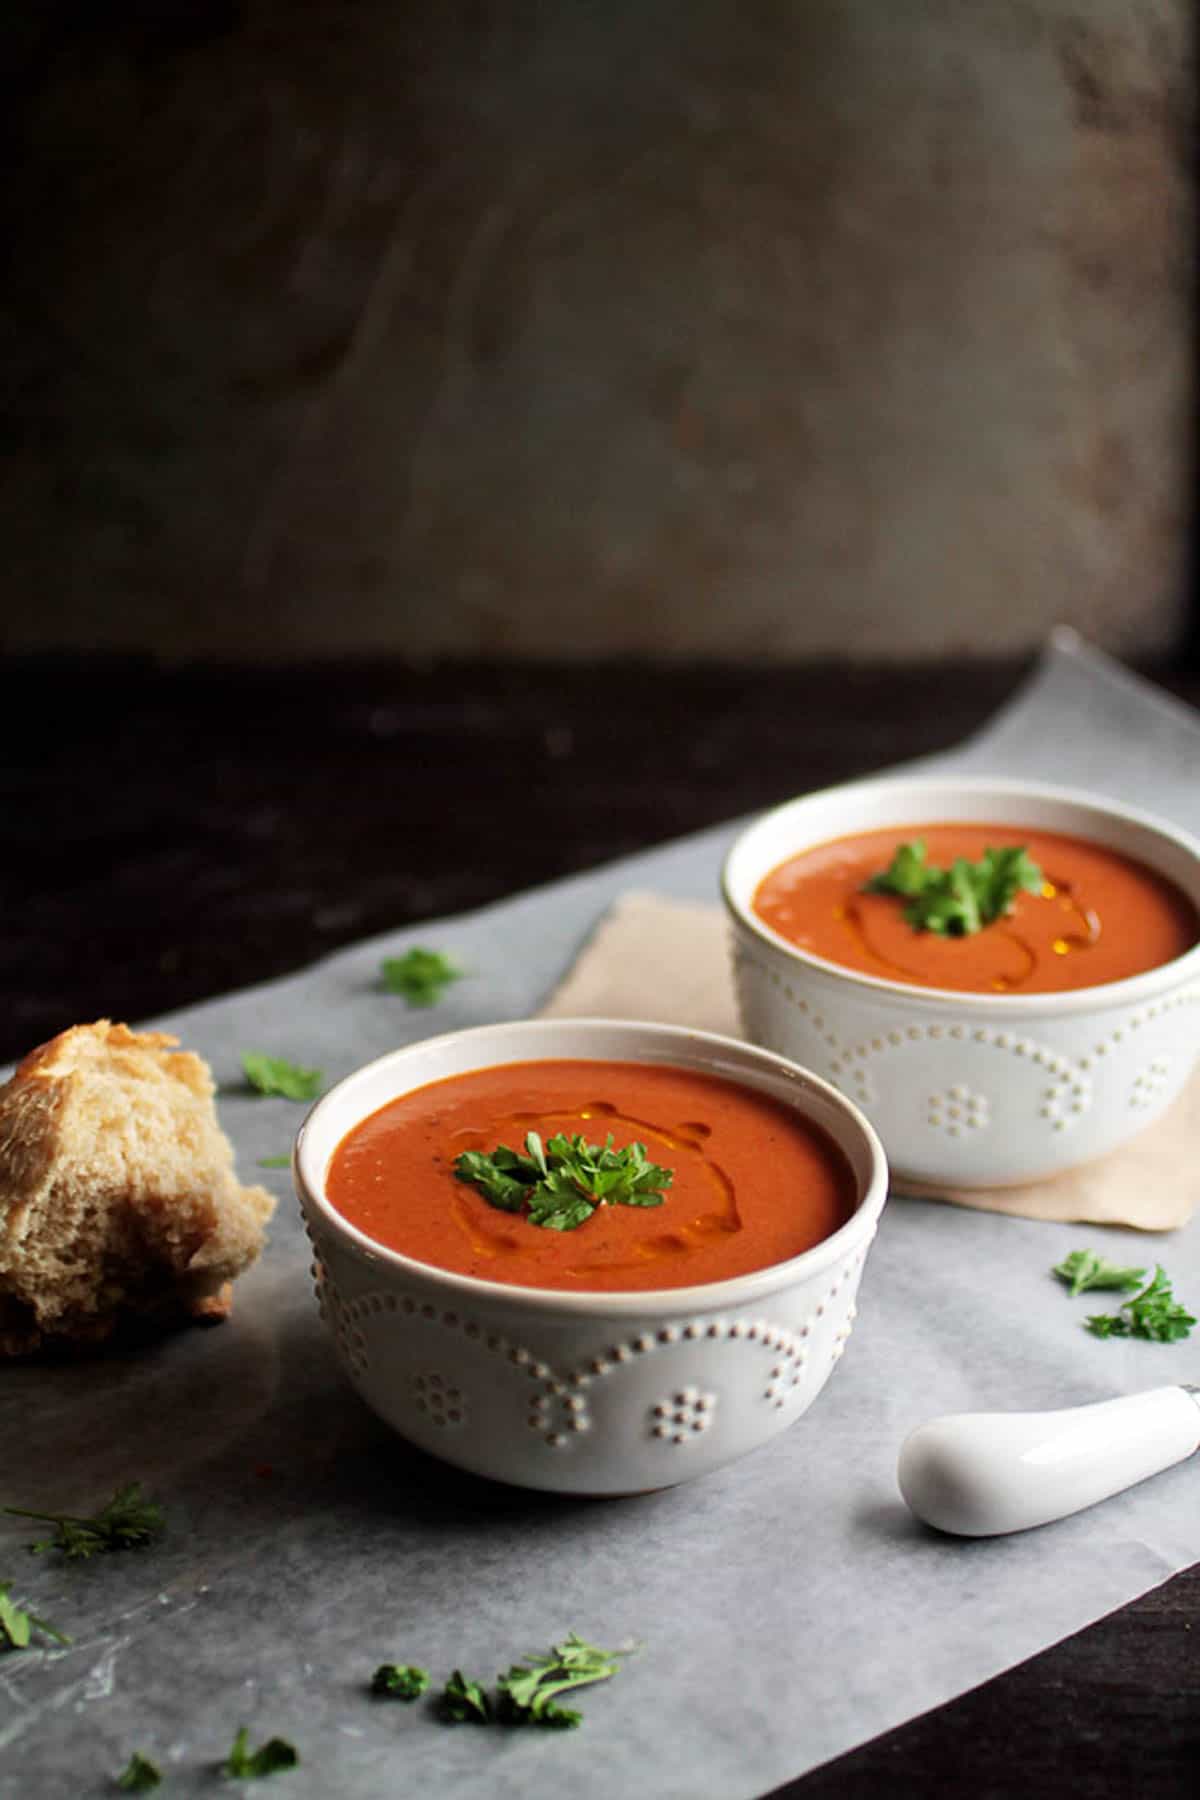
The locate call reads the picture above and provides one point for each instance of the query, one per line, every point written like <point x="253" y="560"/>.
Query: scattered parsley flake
<point x="17" y="1626"/>
<point x="1154" y="1314"/>
<point x="549" y="1715"/>
<point x="529" y="1692"/>
<point x="127" y="1522"/>
<point x="275" y="1162"/>
<point x="1083" y="1270"/>
<point x="139" y="1775"/>
<point x="244" y="1764"/>
<point x="559" y="1185"/>
<point x="463" y="1702"/>
<point x="273" y="1075"/>
<point x="399" y="1681"/>
<point x="420" y="975"/>
<point x="960" y="900"/>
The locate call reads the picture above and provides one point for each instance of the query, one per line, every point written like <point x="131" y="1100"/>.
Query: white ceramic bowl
<point x="970" y="1090"/>
<point x="591" y="1393"/>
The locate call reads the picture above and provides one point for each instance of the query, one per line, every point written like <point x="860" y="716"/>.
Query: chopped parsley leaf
<point x="17" y="1626"/>
<point x="1083" y="1270"/>
<point x="529" y="1692"/>
<point x="1154" y="1314"/>
<point x="420" y="976"/>
<point x="399" y="1681"/>
<point x="558" y="1185"/>
<point x="244" y="1764"/>
<point x="127" y="1522"/>
<point x="960" y="900"/>
<point x="273" y="1075"/>
<point x="463" y="1702"/>
<point x="139" y="1775"/>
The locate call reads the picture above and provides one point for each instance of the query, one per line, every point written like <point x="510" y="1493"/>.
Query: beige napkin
<point x="668" y="960"/>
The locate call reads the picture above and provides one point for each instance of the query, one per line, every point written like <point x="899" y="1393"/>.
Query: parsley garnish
<point x="960" y="900"/>
<point x="399" y="1681"/>
<point x="1083" y="1269"/>
<point x="272" y="1075"/>
<point x="275" y="1162"/>
<point x="420" y="975"/>
<point x="560" y="1184"/>
<point x="244" y="1764"/>
<point x="1154" y="1313"/>
<point x="528" y="1693"/>
<point x="464" y="1702"/>
<point x="17" y="1625"/>
<point x="139" y="1775"/>
<point x="127" y="1522"/>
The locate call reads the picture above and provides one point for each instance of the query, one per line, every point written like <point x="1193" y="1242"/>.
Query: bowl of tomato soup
<point x="1004" y="975"/>
<point x="588" y="1256"/>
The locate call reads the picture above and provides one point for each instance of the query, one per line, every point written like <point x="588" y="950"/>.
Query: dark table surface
<point x="169" y="834"/>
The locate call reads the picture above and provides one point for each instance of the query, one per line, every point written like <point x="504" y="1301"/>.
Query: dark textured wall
<point x="657" y="326"/>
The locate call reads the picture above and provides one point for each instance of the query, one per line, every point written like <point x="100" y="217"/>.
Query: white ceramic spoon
<point x="980" y="1474"/>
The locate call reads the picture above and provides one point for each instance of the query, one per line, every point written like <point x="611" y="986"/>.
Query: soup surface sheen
<point x="1100" y="916"/>
<point x="754" y="1183"/>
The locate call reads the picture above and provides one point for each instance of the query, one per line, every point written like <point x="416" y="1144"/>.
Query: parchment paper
<point x="787" y="1607"/>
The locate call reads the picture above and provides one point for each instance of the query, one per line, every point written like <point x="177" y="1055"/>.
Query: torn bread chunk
<point x="118" y="1195"/>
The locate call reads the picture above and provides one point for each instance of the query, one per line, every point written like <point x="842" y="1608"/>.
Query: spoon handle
<point x="980" y="1474"/>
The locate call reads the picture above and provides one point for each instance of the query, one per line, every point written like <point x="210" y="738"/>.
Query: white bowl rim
<point x="733" y="1291"/>
<point x="1129" y="991"/>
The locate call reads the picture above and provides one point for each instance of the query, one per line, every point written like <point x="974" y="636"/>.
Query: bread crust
<point x="118" y="1196"/>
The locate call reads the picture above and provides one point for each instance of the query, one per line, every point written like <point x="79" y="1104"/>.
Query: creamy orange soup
<point x="753" y="1183"/>
<point x="1099" y="916"/>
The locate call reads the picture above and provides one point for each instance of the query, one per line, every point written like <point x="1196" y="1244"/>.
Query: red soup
<point x="1096" y="916"/>
<point x="751" y="1182"/>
